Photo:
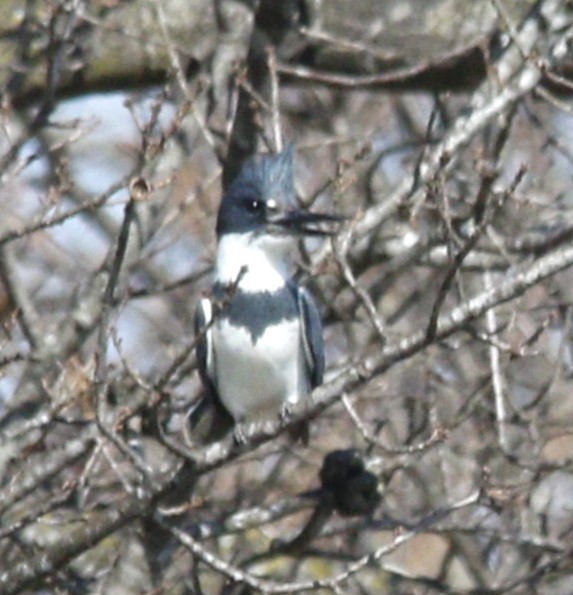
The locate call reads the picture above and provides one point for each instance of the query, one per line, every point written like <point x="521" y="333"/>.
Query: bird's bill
<point x="305" y="223"/>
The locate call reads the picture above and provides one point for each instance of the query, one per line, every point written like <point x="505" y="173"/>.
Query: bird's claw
<point x="240" y="434"/>
<point x="285" y="413"/>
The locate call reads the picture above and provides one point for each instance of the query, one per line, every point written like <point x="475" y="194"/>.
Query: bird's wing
<point x="204" y="348"/>
<point x="208" y="420"/>
<point x="312" y="340"/>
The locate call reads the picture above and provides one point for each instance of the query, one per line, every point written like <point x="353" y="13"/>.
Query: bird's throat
<point x="254" y="263"/>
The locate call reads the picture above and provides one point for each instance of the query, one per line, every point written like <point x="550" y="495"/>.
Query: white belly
<point x="255" y="381"/>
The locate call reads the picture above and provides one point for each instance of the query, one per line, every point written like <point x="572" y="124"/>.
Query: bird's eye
<point x="254" y="205"/>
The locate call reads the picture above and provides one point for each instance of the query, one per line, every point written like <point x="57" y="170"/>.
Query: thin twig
<point x="275" y="108"/>
<point x="341" y="247"/>
<point x="138" y="191"/>
<point x="482" y="218"/>
<point x="438" y="435"/>
<point x="496" y="372"/>
<point x="268" y="587"/>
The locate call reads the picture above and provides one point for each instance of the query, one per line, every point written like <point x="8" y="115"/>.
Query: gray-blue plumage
<point x="256" y="311"/>
<point x="260" y="347"/>
<point x="262" y="178"/>
<point x="312" y="334"/>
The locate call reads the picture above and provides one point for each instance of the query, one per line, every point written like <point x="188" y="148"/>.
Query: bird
<point x="259" y="341"/>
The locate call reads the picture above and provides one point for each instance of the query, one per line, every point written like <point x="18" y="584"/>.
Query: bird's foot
<point x="244" y="430"/>
<point x="240" y="433"/>
<point x="286" y="412"/>
<point x="298" y="432"/>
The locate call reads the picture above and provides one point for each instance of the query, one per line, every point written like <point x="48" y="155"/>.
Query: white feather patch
<point x="263" y="259"/>
<point x="207" y="309"/>
<point x="257" y="380"/>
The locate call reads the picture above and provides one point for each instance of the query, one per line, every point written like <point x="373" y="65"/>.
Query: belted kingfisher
<point x="260" y="347"/>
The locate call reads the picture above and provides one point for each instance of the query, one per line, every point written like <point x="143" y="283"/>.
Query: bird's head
<point x="262" y="201"/>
